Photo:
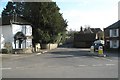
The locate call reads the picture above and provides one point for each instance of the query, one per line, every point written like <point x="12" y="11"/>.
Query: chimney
<point x="81" y="29"/>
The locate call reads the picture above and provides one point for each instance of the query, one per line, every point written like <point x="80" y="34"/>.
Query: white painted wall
<point x="21" y="28"/>
<point x="29" y="43"/>
<point x="7" y="33"/>
<point x="28" y="30"/>
<point x="16" y="28"/>
<point x="1" y="38"/>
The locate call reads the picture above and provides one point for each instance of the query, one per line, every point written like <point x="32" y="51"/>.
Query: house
<point x="99" y="33"/>
<point x="15" y="31"/>
<point x="112" y="36"/>
<point x="85" y="38"/>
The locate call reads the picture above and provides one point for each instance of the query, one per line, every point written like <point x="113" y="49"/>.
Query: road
<point x="60" y="63"/>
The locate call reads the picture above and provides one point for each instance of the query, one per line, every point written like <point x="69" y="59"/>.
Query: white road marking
<point x="22" y="68"/>
<point x="82" y="65"/>
<point x="76" y="57"/>
<point x="22" y="57"/>
<point x="5" y="68"/>
<point x="15" y="55"/>
<point x="97" y="65"/>
<point x="18" y="67"/>
<point x="107" y="59"/>
<point x="38" y="53"/>
<point x="80" y="57"/>
<point x="51" y="66"/>
<point x="104" y="58"/>
<point x="96" y="57"/>
<point x="109" y="64"/>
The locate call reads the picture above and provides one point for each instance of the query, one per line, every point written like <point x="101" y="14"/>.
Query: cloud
<point x="101" y="18"/>
<point x="97" y="13"/>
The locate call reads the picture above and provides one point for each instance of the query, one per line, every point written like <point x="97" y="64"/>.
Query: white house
<point x="17" y="32"/>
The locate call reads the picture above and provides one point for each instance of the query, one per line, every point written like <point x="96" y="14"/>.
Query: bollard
<point x="100" y="50"/>
<point x="92" y="49"/>
<point x="15" y="52"/>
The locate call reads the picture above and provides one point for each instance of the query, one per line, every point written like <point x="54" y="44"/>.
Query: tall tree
<point x="44" y="17"/>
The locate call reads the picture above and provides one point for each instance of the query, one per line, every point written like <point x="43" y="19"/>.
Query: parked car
<point x="98" y="43"/>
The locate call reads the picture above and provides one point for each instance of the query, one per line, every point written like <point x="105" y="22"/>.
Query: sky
<point x="2" y="5"/>
<point x="95" y="13"/>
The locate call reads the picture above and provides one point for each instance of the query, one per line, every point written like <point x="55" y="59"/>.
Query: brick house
<point x="86" y="37"/>
<point x="112" y="36"/>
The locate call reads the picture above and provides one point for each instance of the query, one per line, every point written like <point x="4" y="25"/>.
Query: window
<point x="23" y="29"/>
<point x="114" y="44"/>
<point x="114" y="33"/>
<point x="29" y="30"/>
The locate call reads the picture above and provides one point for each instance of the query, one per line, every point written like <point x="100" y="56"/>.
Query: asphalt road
<point x="60" y="63"/>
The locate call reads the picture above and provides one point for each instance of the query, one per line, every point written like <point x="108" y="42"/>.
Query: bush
<point x="4" y="51"/>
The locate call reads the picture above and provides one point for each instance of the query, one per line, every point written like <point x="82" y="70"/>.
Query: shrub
<point x="4" y="51"/>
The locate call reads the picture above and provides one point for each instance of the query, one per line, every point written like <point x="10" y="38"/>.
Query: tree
<point x="46" y="17"/>
<point x="47" y="22"/>
<point x="13" y="8"/>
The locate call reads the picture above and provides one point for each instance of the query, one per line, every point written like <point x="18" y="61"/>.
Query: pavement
<point x="17" y="56"/>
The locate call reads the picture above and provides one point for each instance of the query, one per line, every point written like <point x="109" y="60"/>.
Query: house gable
<point x="10" y="27"/>
<point x="115" y="25"/>
<point x="7" y="20"/>
<point x="112" y="36"/>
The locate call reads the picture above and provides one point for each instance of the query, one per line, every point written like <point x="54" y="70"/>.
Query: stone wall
<point x="25" y="50"/>
<point x="49" y="46"/>
<point x="53" y="46"/>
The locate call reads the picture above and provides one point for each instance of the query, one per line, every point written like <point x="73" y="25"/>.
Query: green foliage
<point x="44" y="36"/>
<point x="46" y="20"/>
<point x="8" y="47"/>
<point x="63" y="37"/>
<point x="4" y="51"/>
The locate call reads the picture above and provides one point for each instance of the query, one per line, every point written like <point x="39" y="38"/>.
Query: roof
<point x="84" y="37"/>
<point x="7" y="20"/>
<point x="95" y="30"/>
<point x="114" y="25"/>
<point x="88" y="30"/>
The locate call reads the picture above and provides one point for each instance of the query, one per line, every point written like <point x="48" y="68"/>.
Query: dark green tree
<point x="46" y="17"/>
<point x="47" y="22"/>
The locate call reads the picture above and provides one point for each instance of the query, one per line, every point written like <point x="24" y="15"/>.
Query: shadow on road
<point x="68" y="54"/>
<point x="73" y="52"/>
